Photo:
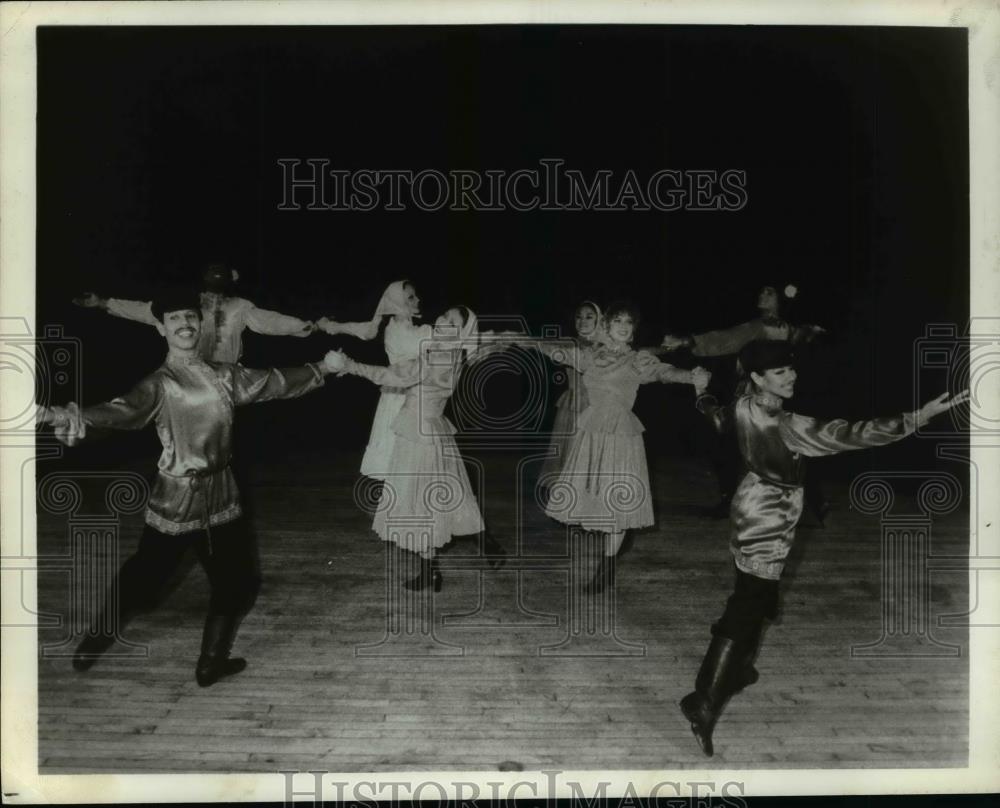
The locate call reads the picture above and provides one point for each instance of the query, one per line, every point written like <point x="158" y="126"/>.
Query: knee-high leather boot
<point x="216" y="643"/>
<point x="712" y="687"/>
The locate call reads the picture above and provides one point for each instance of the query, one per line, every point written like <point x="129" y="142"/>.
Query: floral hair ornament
<point x="791" y="291"/>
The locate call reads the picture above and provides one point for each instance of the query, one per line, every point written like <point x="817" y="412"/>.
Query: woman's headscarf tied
<point x="393" y="302"/>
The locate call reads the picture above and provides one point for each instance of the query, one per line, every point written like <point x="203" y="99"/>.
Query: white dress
<point x="402" y="342"/>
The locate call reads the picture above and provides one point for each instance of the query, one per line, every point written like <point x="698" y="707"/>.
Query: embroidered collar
<point x="181" y="360"/>
<point x="768" y="401"/>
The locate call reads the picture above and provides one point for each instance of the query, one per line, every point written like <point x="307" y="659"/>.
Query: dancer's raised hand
<point x="672" y="343"/>
<point x="90" y="300"/>
<point x="941" y="404"/>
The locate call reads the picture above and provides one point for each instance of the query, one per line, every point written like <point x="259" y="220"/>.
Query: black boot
<point x="216" y="643"/>
<point x="604" y="576"/>
<point x="496" y="556"/>
<point x="429" y="575"/>
<point x="90" y="649"/>
<point x="712" y="687"/>
<point x="98" y="640"/>
<point x="745" y="674"/>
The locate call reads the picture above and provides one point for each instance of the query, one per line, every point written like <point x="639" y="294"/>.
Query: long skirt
<point x="378" y="454"/>
<point x="604" y="483"/>
<point x="563" y="426"/>
<point x="427" y="498"/>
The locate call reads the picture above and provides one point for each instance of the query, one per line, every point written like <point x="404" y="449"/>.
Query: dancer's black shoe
<point x="496" y="556"/>
<point x="429" y="575"/>
<point x="90" y="650"/>
<point x="216" y="643"/>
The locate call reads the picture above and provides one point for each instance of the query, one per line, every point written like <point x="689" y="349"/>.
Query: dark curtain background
<point x="158" y="151"/>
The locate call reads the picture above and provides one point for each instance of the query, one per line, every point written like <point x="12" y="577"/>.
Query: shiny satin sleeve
<point x="812" y="437"/>
<point x="651" y="369"/>
<point x="140" y="311"/>
<point x="726" y="341"/>
<point x="134" y="410"/>
<point x="720" y="417"/>
<point x="251" y="385"/>
<point x="402" y="374"/>
<point x="263" y="321"/>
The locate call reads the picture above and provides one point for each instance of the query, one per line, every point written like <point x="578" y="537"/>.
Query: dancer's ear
<point x="160" y="328"/>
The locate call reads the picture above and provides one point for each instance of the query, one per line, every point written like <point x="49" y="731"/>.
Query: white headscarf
<point x="393" y="302"/>
<point x="599" y="329"/>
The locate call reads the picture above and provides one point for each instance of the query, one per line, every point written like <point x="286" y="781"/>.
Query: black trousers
<point x="226" y="552"/>
<point x="753" y="601"/>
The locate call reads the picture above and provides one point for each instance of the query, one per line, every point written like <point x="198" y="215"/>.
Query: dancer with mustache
<point x="766" y="509"/>
<point x="225" y="315"/>
<point x="427" y="497"/>
<point x="195" y="503"/>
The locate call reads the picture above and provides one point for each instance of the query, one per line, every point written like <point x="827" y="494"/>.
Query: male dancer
<point x="767" y="507"/>
<point x="224" y="315"/>
<point x="195" y="502"/>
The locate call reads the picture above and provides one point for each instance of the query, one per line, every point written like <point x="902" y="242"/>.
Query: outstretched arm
<point x="651" y="369"/>
<point x="561" y="351"/>
<point x="134" y="410"/>
<point x="403" y="374"/>
<point x="723" y="342"/>
<point x="139" y="311"/>
<point x="251" y="385"/>
<point x="365" y="331"/>
<point x="813" y="437"/>
<point x="274" y="324"/>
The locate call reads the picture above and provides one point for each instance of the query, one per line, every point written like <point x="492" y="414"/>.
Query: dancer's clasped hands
<point x="335" y="362"/>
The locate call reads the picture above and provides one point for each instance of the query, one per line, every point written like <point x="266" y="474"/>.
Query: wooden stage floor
<point x="515" y="666"/>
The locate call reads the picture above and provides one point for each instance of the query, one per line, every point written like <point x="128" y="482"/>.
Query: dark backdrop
<point x="158" y="150"/>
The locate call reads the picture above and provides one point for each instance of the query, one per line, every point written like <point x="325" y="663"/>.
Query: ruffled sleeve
<point x="651" y="369"/>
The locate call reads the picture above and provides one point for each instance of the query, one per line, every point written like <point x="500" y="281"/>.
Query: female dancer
<point x="604" y="482"/>
<point x="766" y="509"/>
<point x="403" y="339"/>
<point x="573" y="401"/>
<point x="729" y="342"/>
<point x="427" y="498"/>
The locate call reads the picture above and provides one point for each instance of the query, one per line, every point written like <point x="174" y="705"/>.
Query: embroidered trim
<point x="230" y="514"/>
